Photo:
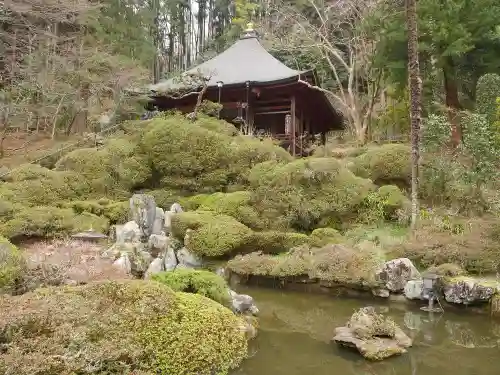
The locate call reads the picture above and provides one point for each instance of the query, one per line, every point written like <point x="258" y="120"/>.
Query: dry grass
<point x="74" y="262"/>
<point x="472" y="244"/>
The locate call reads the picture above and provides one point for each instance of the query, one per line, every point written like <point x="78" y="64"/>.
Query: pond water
<point x="296" y="328"/>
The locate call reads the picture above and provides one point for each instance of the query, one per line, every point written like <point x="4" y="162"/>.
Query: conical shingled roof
<point x="246" y="60"/>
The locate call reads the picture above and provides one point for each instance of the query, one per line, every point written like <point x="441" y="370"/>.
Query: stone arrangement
<point x="374" y="336"/>
<point x="400" y="276"/>
<point x="144" y="246"/>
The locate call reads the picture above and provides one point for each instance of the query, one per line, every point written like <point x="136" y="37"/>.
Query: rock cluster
<point x="373" y="335"/>
<point x="144" y="245"/>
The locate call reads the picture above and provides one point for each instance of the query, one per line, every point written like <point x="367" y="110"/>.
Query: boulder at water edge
<point x="187" y="259"/>
<point x="396" y="273"/>
<point x="467" y="290"/>
<point x="373" y="335"/>
<point x="243" y="303"/>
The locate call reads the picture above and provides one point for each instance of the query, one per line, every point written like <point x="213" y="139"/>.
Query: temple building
<point x="257" y="91"/>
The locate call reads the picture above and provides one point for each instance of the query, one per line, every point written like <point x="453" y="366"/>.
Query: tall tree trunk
<point x="415" y="83"/>
<point x="452" y="102"/>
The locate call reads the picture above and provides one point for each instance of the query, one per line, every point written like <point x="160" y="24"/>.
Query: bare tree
<point x="336" y="33"/>
<point x="415" y="84"/>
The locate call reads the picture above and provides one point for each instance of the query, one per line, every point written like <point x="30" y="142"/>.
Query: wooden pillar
<point x="292" y="110"/>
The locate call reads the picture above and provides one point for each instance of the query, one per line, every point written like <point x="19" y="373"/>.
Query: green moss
<point x="385" y="164"/>
<point x="29" y="172"/>
<point x="12" y="266"/>
<point x="388" y="203"/>
<point x="202" y="282"/>
<point x="220" y="236"/>
<point x="324" y="236"/>
<point x="55" y="187"/>
<point x="236" y="204"/>
<point x="164" y="198"/>
<point x="111" y="170"/>
<point x="115" y="212"/>
<point x="51" y="222"/>
<point x="189" y="220"/>
<point x="274" y="242"/>
<point x="119" y="328"/>
<point x="305" y="193"/>
<point x="214" y="124"/>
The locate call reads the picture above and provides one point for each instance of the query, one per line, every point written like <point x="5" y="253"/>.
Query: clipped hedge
<point x="201" y="282"/>
<point x="12" y="266"/>
<point x="387" y="164"/>
<point x="306" y="193"/>
<point x="46" y="221"/>
<point x="128" y="327"/>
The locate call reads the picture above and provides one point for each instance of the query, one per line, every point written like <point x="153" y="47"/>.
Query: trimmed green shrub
<point x="51" y="222"/>
<point x="12" y="266"/>
<point x="115" y="212"/>
<point x="274" y="242"/>
<point x="387" y="203"/>
<point x="213" y="235"/>
<point x="55" y="187"/>
<point x="220" y="236"/>
<point x="111" y="171"/>
<point x="202" y="282"/>
<point x="127" y="327"/>
<point x="387" y="164"/>
<point x="306" y="193"/>
<point x="487" y="93"/>
<point x="323" y="236"/>
<point x="236" y="204"/>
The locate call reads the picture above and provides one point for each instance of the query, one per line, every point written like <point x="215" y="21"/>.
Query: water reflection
<point x="296" y="329"/>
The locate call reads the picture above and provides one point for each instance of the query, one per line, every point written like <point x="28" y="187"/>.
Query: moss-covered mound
<point x="212" y="235"/>
<point x="332" y="264"/>
<point x="118" y="328"/>
<point x="12" y="266"/>
<point x="115" y="212"/>
<point x="387" y="164"/>
<point x="188" y="156"/>
<point x="323" y="236"/>
<point x="47" y="221"/>
<point x="34" y="186"/>
<point x="202" y="282"/>
<point x="111" y="171"/>
<point x="306" y="193"/>
<point x="236" y="204"/>
<point x="274" y="242"/>
<point x="473" y="245"/>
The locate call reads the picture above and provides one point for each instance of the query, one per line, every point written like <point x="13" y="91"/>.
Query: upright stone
<point x="143" y="209"/>
<point x="159" y="221"/>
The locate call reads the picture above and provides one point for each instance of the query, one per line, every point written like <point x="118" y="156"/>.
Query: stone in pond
<point x="414" y="289"/>
<point x="467" y="290"/>
<point x="396" y="273"/>
<point x="243" y="303"/>
<point x="374" y="336"/>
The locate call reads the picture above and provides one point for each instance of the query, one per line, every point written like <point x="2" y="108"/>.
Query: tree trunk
<point x="415" y="83"/>
<point x="452" y="102"/>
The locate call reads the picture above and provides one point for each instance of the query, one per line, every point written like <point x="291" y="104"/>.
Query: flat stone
<point x="379" y="292"/>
